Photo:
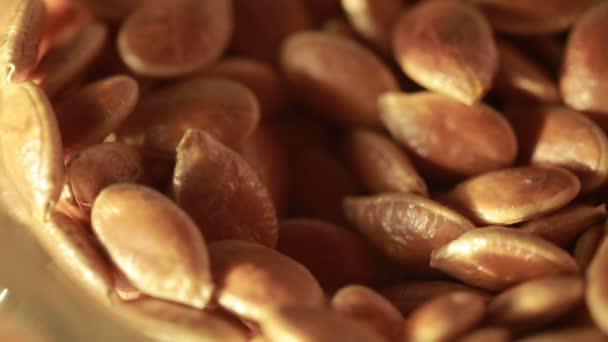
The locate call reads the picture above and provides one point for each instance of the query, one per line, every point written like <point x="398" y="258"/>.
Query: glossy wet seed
<point x="31" y="147"/>
<point x="405" y="227"/>
<point x="536" y="303"/>
<point x="175" y="38"/>
<point x="367" y="306"/>
<point x="154" y="243"/>
<point x="221" y="192"/>
<point x="495" y="258"/>
<point x="21" y="30"/>
<point x="374" y="20"/>
<point x="513" y="195"/>
<point x="446" y="317"/>
<point x="447" y="47"/>
<point x="447" y="137"/>
<point x="253" y="280"/>
<point x="380" y="164"/>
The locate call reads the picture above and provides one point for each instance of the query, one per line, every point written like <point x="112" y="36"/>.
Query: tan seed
<point x="447" y="47"/>
<point x="536" y="303"/>
<point x="521" y="78"/>
<point x="405" y="227"/>
<point x="353" y="259"/>
<point x="31" y="149"/>
<point x="564" y="226"/>
<point x="495" y="258"/>
<point x="494" y="334"/>
<point x="221" y="192"/>
<point x="74" y="249"/>
<point x="584" y="78"/>
<point x="252" y="280"/>
<point x="587" y="244"/>
<point x="367" y="306"/>
<point x="170" y="322"/>
<point x="587" y="334"/>
<point x="99" y="166"/>
<point x="374" y="20"/>
<point x="298" y="324"/>
<point x="530" y="18"/>
<point x="154" y="243"/>
<point x="91" y="113"/>
<point x="410" y="295"/>
<point x="273" y="20"/>
<point x="337" y="76"/>
<point x="446" y="317"/>
<point x="21" y="28"/>
<point x="80" y="47"/>
<point x="563" y="137"/>
<point x="175" y="38"/>
<point x="597" y="287"/>
<point x="12" y="329"/>
<point x="224" y="108"/>
<point x="261" y="78"/>
<point x="380" y="164"/>
<point x="448" y="137"/>
<point x="515" y="194"/>
<point x="124" y="289"/>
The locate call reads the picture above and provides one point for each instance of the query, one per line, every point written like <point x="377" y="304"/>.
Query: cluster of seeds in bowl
<point x="316" y="170"/>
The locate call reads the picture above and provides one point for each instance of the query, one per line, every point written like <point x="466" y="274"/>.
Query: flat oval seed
<point x="494" y="334"/>
<point x="587" y="244"/>
<point x="448" y="137"/>
<point x="74" y="249"/>
<point x="31" y="149"/>
<point x="368" y="307"/>
<point x="514" y="195"/>
<point x="221" y="192"/>
<point x="596" y="295"/>
<point x="584" y="78"/>
<point x="405" y="227"/>
<point x="447" y="47"/>
<point x="380" y="164"/>
<point x="174" y="38"/>
<point x="253" y="280"/>
<point x="259" y="77"/>
<point x="563" y="226"/>
<point x="374" y="20"/>
<point x="269" y="159"/>
<point x="337" y="76"/>
<point x="99" y="166"/>
<point x="532" y="18"/>
<point x="224" y="108"/>
<point x="446" y="317"/>
<point x="154" y="243"/>
<point x="408" y="296"/>
<point x="521" y="78"/>
<point x="494" y="258"/>
<point x="21" y="30"/>
<point x="353" y="260"/>
<point x="80" y="47"/>
<point x="170" y="322"/>
<point x="273" y="20"/>
<point x="298" y="324"/>
<point x="536" y="303"/>
<point x="88" y="115"/>
<point x="563" y="137"/>
<point x="111" y="10"/>
<point x="587" y="334"/>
